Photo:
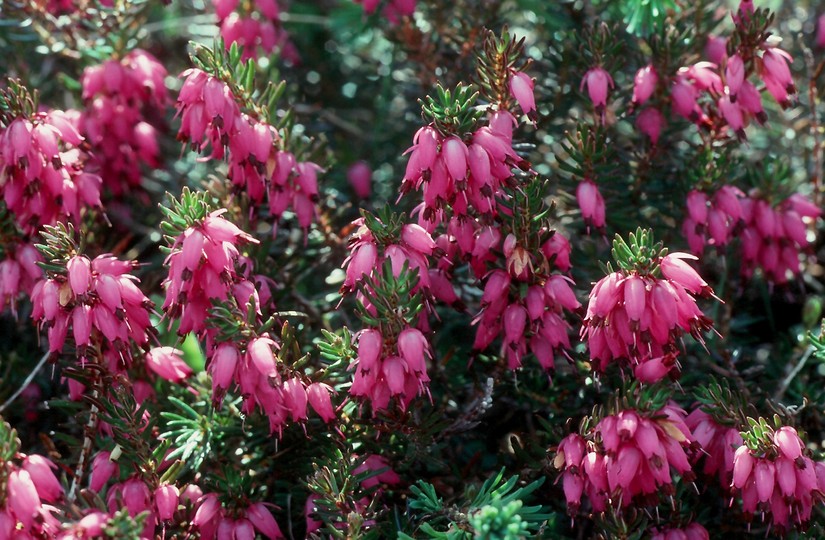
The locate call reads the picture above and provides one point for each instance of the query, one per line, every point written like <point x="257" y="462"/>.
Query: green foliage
<point x="495" y="511"/>
<point x="8" y="442"/>
<point x="644" y="17"/>
<point x="498" y="59"/>
<point x="587" y="153"/>
<point x="392" y="296"/>
<point x="726" y="405"/>
<point x="452" y="112"/>
<point x="60" y="246"/>
<point x="182" y="213"/>
<point x="336" y="348"/>
<point x="124" y="527"/>
<point x="16" y="101"/>
<point x="641" y="254"/>
<point x="193" y="428"/>
<point x="346" y="509"/>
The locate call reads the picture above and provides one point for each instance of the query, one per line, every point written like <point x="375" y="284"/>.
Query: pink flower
<point x="644" y="84"/>
<point x="319" y="399"/>
<point x="79" y="269"/>
<point x="591" y="203"/>
<point x="262" y="519"/>
<point x="598" y="82"/>
<point x="734" y="75"/>
<point x="676" y="270"/>
<point x="683" y="99"/>
<point x="788" y="442"/>
<point x="733" y="115"/>
<point x="23" y="499"/>
<point x="820" y="31"/>
<point x="775" y="68"/>
<point x="103" y="468"/>
<point x="716" y="49"/>
<point x="40" y="470"/>
<point x="521" y="88"/>
<point x="651" y="122"/>
<point x="359" y="176"/>
<point x="166" y="501"/>
<point x="167" y="362"/>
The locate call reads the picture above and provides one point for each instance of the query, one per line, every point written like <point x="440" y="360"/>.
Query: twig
<point x="28" y="380"/>
<point x="85" y="452"/>
<point x="787" y="381"/>
<point x="814" y="72"/>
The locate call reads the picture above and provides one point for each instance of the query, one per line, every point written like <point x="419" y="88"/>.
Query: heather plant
<point x="411" y="269"/>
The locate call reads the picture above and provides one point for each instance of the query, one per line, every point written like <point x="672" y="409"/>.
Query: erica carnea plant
<point x="365" y="269"/>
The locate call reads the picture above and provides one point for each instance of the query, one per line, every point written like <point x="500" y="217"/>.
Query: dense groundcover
<point x="404" y="269"/>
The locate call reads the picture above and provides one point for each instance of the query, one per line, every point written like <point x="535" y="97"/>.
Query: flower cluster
<point x="100" y="301"/>
<point x="394" y="10"/>
<point x="265" y="382"/>
<point x="25" y="507"/>
<point x="390" y="366"/>
<point x="213" y="521"/>
<point x="715" y="94"/>
<point x="773" y="475"/>
<point x="626" y="459"/>
<point x="732" y="99"/>
<point x="202" y="269"/>
<point x="42" y="171"/>
<point x="18" y="273"/>
<point x="392" y="353"/>
<point x="461" y="175"/>
<point x="411" y="247"/>
<point x="211" y="116"/>
<point x="534" y="322"/>
<point x="718" y="441"/>
<point x="258" y="31"/>
<point x="693" y="531"/>
<point x="712" y="220"/>
<point x="636" y="318"/>
<point x="772" y="236"/>
<point x="122" y="96"/>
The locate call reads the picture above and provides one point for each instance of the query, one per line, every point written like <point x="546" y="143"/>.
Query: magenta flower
<point x="359" y="176"/>
<point x="771" y="481"/>
<point x="644" y="84"/>
<point x="598" y="82"/>
<point x="651" y="122"/>
<point x="521" y="88"/>
<point x="43" y="167"/>
<point x="120" y="95"/>
<point x="626" y="458"/>
<point x="167" y="363"/>
<point x="166" y="501"/>
<point x="103" y="468"/>
<point x="637" y="319"/>
<point x="591" y="203"/>
<point x="22" y="496"/>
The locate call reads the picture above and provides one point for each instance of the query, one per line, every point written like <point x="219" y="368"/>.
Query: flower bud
<point x="40" y="470"/>
<point x="166" y="501"/>
<point x="359" y="176"/>
<point x="79" y="269"/>
<point x="319" y="399"/>
<point x="644" y="84"/>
